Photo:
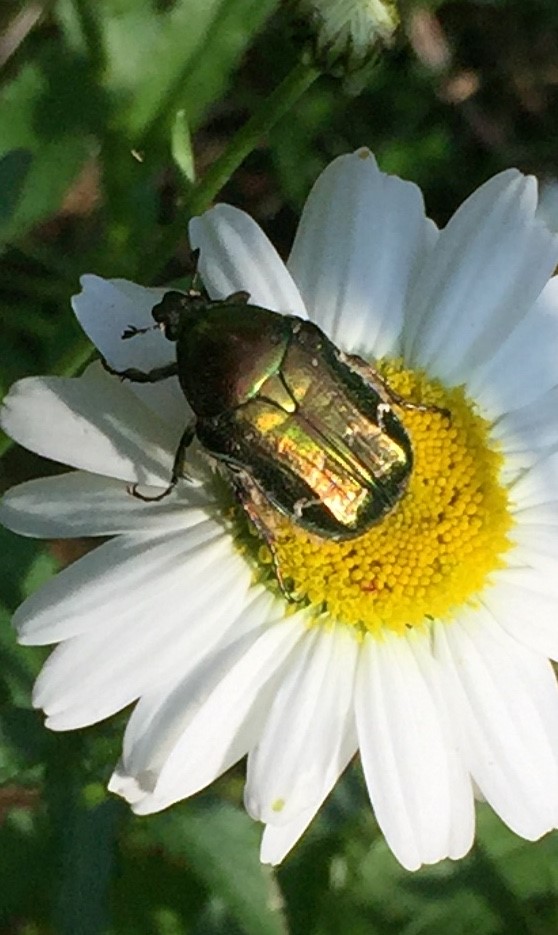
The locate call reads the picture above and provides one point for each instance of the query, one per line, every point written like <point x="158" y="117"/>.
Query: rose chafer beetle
<point x="296" y="425"/>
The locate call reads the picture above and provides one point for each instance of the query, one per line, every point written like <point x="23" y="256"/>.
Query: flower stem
<point x="274" y="107"/>
<point x="92" y="33"/>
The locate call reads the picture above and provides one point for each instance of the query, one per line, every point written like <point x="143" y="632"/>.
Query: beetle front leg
<point x="377" y="382"/>
<point x="178" y="472"/>
<point x="143" y="376"/>
<point x="255" y="505"/>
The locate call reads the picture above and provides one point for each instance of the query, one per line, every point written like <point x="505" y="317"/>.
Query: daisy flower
<point x="423" y="644"/>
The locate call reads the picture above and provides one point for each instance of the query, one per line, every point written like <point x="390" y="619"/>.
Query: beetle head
<point x="174" y="309"/>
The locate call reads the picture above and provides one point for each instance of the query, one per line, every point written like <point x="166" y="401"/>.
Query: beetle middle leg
<point x="178" y="472"/>
<point x="377" y="382"/>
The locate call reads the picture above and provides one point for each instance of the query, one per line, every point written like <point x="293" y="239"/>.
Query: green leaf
<point x="23" y="858"/>
<point x="220" y="844"/>
<point x="160" y="58"/>
<point x="48" y="111"/>
<point x="23" y="741"/>
<point x="14" y="169"/>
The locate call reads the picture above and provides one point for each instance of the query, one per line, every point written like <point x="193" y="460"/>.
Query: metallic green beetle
<point x="296" y="424"/>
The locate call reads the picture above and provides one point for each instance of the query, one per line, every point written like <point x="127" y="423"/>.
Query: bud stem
<point x="248" y="137"/>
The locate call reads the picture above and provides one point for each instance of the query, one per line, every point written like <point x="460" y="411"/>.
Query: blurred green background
<point x="95" y="96"/>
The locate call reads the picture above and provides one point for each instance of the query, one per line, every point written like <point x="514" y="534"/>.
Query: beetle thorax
<point x="227" y="354"/>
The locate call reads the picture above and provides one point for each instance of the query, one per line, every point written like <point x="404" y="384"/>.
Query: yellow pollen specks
<point x="435" y="550"/>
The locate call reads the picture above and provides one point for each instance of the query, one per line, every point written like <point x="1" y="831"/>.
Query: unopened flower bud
<point x="347" y="35"/>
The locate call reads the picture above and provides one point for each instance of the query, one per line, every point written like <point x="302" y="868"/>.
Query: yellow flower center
<point x="435" y="551"/>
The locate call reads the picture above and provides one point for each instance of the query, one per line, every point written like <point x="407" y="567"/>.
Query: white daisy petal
<point x="223" y="720"/>
<point x="105" y="309"/>
<point x="94" y="423"/>
<point x="302" y="739"/>
<point x="162" y="713"/>
<point x="236" y="255"/>
<point x="80" y="504"/>
<point x="405" y="756"/>
<point x="93" y="675"/>
<point x="361" y="236"/>
<point x="545" y="514"/>
<point x="109" y="577"/>
<point x="138" y="786"/>
<point x="540" y="542"/>
<point x="489" y="266"/>
<point x="522" y="368"/>
<point x="527" y="434"/>
<point x="537" y="487"/>
<point x="520" y="601"/>
<point x="509" y="732"/>
<point x="461" y="826"/>
<point x="278" y="840"/>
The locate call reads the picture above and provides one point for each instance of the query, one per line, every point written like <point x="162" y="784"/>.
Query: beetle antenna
<point x="131" y="331"/>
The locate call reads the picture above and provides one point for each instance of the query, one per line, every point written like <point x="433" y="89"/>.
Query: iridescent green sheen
<point x="282" y="409"/>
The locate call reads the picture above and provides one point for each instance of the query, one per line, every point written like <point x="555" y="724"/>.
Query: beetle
<point x="296" y="425"/>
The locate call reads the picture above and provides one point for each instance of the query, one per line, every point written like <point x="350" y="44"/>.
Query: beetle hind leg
<point x="378" y="383"/>
<point x="255" y="505"/>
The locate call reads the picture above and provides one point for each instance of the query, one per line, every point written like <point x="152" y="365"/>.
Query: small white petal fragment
<point x="505" y="705"/>
<point x="105" y="309"/>
<point x="236" y="255"/>
<point x="408" y="762"/>
<point x="361" y="236"/>
<point x="303" y="739"/>
<point x="489" y="266"/>
<point x="94" y="423"/>
<point x="81" y="504"/>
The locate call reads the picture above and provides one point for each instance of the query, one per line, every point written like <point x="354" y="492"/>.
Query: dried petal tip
<point x="347" y="34"/>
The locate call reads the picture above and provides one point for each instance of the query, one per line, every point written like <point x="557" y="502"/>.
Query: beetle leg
<point x="143" y="376"/>
<point x="303" y="504"/>
<point x="196" y="282"/>
<point x="237" y="298"/>
<point x="131" y="331"/>
<point x="377" y="382"/>
<point x="178" y="472"/>
<point x="254" y="503"/>
<point x="380" y="413"/>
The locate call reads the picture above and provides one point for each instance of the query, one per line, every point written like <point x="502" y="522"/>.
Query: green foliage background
<point x="95" y="98"/>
